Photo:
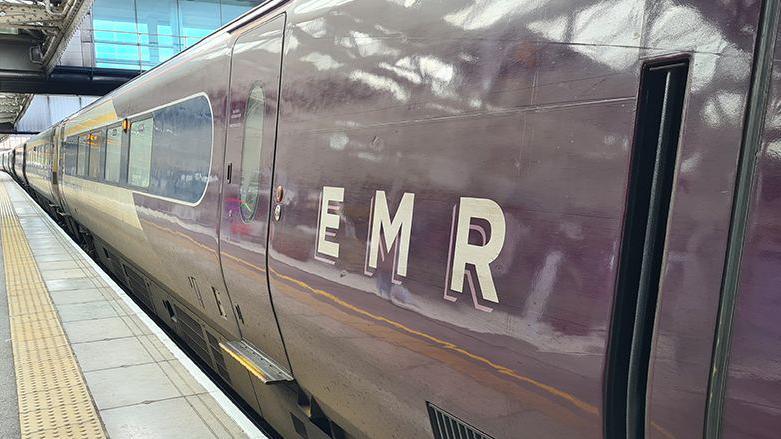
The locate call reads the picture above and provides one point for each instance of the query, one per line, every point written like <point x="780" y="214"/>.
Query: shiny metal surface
<point x="461" y="125"/>
<point x="753" y="400"/>
<point x="265" y="369"/>
<point x="256" y="59"/>
<point x="158" y="234"/>
<point x="530" y="105"/>
<point x="700" y="212"/>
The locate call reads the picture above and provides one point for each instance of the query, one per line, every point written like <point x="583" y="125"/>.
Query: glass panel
<point x="233" y="8"/>
<point x="250" y="153"/>
<point x="158" y="30"/>
<point x="182" y="152"/>
<point x="70" y="155"/>
<point x="198" y="19"/>
<point x="113" y="154"/>
<point x="141" y="34"/>
<point x="140" y="158"/>
<point x="96" y="146"/>
<point x="81" y="161"/>
<point x="116" y="34"/>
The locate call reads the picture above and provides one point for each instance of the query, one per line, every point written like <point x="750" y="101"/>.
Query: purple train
<point x="461" y="219"/>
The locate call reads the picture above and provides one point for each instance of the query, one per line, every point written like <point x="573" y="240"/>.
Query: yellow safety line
<point x="53" y="398"/>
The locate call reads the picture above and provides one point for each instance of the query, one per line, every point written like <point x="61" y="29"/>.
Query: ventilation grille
<point x="138" y="286"/>
<point x="219" y="361"/>
<point x="112" y="262"/>
<point x="447" y="426"/>
<point x="192" y="333"/>
<point x="117" y="265"/>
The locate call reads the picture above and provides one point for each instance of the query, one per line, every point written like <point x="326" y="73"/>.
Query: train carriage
<point x="461" y="219"/>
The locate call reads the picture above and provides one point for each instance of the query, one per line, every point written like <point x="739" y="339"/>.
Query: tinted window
<point x="250" y="153"/>
<point x="140" y="156"/>
<point x="182" y="150"/>
<point x="70" y="155"/>
<point x="113" y="154"/>
<point x="96" y="151"/>
<point x="83" y="154"/>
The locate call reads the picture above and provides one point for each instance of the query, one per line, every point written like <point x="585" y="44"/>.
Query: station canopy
<point x="33" y="35"/>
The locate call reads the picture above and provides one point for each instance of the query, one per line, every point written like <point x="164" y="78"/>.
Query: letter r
<point x="480" y="256"/>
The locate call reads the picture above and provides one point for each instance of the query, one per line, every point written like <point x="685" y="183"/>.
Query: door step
<point x="257" y="363"/>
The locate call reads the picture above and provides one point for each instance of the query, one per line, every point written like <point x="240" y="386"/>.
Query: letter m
<point x="399" y="228"/>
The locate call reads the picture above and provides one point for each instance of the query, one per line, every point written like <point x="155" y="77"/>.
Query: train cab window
<point x="96" y="151"/>
<point x="69" y="153"/>
<point x="140" y="154"/>
<point x="113" y="154"/>
<point x="83" y="154"/>
<point x="250" y="153"/>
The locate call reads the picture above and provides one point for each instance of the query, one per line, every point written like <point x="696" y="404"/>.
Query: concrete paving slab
<point x="107" y="354"/>
<point x="77" y="296"/>
<point x="72" y="312"/>
<point x="174" y="418"/>
<point x="153" y="385"/>
<point x="84" y="331"/>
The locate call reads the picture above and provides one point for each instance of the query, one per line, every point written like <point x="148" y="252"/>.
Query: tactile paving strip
<point x="53" y="398"/>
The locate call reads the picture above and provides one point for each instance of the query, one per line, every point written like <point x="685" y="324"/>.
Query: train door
<point x="254" y="90"/>
<point x="54" y="169"/>
<point x="66" y="163"/>
<point x="24" y="156"/>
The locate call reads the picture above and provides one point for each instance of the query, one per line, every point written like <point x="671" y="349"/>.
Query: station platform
<point x="78" y="358"/>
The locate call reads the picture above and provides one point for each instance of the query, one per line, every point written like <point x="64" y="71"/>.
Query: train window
<point x="70" y="155"/>
<point x="113" y="154"/>
<point x="82" y="155"/>
<point x="140" y="158"/>
<point x="250" y="152"/>
<point x="181" y="155"/>
<point x="97" y="149"/>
